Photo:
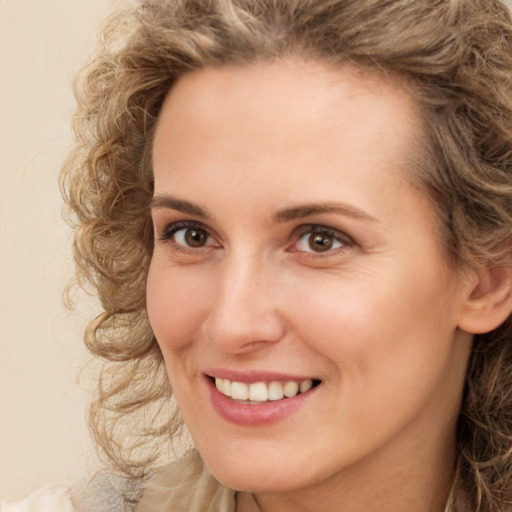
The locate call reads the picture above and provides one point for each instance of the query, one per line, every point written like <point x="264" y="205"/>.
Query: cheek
<point x="378" y="327"/>
<point x="386" y="348"/>
<point x="176" y="304"/>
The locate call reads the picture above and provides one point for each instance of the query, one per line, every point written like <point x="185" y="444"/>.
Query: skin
<point x="377" y="318"/>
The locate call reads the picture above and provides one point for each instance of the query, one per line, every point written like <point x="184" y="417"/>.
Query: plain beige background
<point x="43" y="435"/>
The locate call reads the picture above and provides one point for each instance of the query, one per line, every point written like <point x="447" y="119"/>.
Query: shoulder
<point x="106" y="492"/>
<point x="185" y="485"/>
<point x="47" y="499"/>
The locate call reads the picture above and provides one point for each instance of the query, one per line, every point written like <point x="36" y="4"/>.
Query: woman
<point x="298" y="217"/>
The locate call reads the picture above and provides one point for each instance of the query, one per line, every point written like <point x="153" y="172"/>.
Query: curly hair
<point x="456" y="56"/>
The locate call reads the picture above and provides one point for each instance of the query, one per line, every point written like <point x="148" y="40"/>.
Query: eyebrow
<point x="180" y="205"/>
<point x="281" y="216"/>
<point x="305" y="210"/>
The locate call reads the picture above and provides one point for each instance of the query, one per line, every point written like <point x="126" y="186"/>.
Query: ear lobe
<point x="489" y="302"/>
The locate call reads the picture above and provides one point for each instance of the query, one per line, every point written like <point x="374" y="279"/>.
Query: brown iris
<point x="196" y="237"/>
<point x="320" y="242"/>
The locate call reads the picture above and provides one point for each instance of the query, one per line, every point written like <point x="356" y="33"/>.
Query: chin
<point x="255" y="481"/>
<point x="259" y="472"/>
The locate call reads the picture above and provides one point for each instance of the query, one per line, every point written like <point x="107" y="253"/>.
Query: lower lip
<point x="257" y="415"/>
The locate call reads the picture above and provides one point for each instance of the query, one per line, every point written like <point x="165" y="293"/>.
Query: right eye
<point x="191" y="237"/>
<point x="188" y="235"/>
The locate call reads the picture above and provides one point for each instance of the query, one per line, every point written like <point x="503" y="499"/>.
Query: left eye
<point x="320" y="241"/>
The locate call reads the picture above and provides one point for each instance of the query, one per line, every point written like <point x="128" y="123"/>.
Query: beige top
<point x="56" y="499"/>
<point x="186" y="485"/>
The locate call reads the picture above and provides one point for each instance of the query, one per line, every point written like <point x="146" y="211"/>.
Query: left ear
<point x="489" y="301"/>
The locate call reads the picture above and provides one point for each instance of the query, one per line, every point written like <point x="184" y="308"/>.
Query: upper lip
<point x="252" y="376"/>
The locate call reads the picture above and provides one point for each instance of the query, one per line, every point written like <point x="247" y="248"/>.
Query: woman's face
<point x="292" y="253"/>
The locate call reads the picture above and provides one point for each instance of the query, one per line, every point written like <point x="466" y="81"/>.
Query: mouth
<point x="257" y="393"/>
<point x="259" y="399"/>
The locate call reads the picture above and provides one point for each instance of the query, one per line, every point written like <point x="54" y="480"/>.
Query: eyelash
<point x="341" y="238"/>
<point x="170" y="231"/>
<point x="310" y="230"/>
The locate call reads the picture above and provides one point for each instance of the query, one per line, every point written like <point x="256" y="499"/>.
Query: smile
<point x="258" y="392"/>
<point x="259" y="399"/>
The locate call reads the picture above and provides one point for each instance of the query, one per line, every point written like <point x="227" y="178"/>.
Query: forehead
<point x="280" y="112"/>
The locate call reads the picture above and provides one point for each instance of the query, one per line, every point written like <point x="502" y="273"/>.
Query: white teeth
<point x="239" y="391"/>
<point x="223" y="385"/>
<point x="305" y="385"/>
<point x="258" y="392"/>
<point x="275" y="391"/>
<point x="227" y="387"/>
<point x="290" y="389"/>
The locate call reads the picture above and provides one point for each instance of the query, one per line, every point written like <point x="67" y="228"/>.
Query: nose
<point x="244" y="315"/>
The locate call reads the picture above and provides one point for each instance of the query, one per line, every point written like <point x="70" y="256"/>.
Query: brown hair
<point x="457" y="56"/>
